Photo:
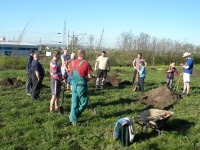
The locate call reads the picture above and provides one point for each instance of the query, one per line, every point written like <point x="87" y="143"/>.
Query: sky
<point x="43" y="20"/>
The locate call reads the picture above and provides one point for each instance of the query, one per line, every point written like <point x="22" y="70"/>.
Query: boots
<point x="102" y="84"/>
<point x="97" y="83"/>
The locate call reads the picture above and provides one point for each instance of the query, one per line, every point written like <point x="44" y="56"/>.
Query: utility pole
<point x="64" y="34"/>
<point x="101" y="39"/>
<point x="68" y="40"/>
<point x="73" y="42"/>
<point x="40" y="44"/>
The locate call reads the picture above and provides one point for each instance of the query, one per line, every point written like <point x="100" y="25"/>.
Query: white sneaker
<point x="29" y="94"/>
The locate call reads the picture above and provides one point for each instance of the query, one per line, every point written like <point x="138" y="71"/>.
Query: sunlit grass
<point x="27" y="124"/>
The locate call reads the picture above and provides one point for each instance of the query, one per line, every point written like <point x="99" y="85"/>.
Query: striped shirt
<point x="55" y="70"/>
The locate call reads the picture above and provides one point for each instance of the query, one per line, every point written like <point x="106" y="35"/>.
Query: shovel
<point x="61" y="107"/>
<point x="135" y="85"/>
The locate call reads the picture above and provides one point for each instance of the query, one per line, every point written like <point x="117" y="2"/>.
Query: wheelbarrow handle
<point x="153" y="122"/>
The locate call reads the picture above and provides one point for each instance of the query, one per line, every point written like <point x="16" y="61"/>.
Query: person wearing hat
<point x="170" y="75"/>
<point x="187" y="72"/>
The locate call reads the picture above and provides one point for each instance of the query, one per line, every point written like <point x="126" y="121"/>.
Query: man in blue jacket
<point x="29" y="83"/>
<point x="187" y="72"/>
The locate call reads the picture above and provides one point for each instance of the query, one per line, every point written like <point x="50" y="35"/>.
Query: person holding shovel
<point x="56" y="77"/>
<point x="142" y="74"/>
<point x="187" y="72"/>
<point x="80" y="71"/>
<point x="103" y="64"/>
<point x="136" y="65"/>
<point x="170" y="75"/>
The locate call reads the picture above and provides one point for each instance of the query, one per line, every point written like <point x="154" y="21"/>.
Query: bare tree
<point x="125" y="41"/>
<point x="143" y="41"/>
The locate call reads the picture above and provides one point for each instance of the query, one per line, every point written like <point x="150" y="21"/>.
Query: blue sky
<point x="175" y="19"/>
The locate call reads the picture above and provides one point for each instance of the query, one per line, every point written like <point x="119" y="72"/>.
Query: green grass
<point x="27" y="124"/>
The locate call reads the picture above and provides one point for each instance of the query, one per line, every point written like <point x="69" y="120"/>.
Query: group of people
<point x="75" y="73"/>
<point x="139" y="65"/>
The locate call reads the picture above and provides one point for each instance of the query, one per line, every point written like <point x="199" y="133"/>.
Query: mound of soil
<point x="12" y="82"/>
<point x="112" y="80"/>
<point x="160" y="98"/>
<point x="119" y="71"/>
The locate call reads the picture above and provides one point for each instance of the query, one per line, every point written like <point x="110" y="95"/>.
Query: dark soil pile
<point x="160" y="98"/>
<point x="115" y="71"/>
<point x="112" y="80"/>
<point x="12" y="82"/>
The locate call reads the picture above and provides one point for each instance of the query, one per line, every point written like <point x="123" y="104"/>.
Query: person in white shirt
<point x="102" y="66"/>
<point x="65" y="58"/>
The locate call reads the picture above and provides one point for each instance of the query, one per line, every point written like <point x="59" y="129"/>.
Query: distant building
<point x="14" y="48"/>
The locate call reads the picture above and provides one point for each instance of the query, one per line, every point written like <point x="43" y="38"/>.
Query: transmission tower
<point x="64" y="34"/>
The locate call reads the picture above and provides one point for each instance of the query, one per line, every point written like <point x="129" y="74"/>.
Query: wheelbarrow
<point x="154" y="119"/>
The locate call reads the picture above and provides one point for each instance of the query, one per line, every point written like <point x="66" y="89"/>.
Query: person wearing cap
<point x="187" y="72"/>
<point x="170" y="75"/>
<point x="136" y="65"/>
<point x="103" y="64"/>
<point x="29" y="83"/>
<point x="65" y="58"/>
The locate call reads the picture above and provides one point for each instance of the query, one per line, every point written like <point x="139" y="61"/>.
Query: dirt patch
<point x="12" y="82"/>
<point x="160" y="98"/>
<point x="196" y="73"/>
<point x="115" y="71"/>
<point x="153" y="69"/>
<point x="111" y="80"/>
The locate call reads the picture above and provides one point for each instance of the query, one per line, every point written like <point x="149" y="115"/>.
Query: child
<point x="142" y="74"/>
<point x="170" y="75"/>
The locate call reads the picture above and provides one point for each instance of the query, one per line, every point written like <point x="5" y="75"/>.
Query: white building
<point x="14" y="48"/>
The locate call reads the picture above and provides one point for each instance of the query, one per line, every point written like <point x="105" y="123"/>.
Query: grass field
<point x="27" y="124"/>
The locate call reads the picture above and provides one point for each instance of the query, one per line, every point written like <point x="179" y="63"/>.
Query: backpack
<point x="124" y="131"/>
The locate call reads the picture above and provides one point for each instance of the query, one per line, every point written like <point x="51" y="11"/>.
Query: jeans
<point x="141" y="84"/>
<point x="29" y="84"/>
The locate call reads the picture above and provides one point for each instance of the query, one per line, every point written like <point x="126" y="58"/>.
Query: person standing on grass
<point x="142" y="74"/>
<point x="29" y="83"/>
<point x="69" y="78"/>
<point x="37" y="76"/>
<point x="170" y="75"/>
<point x="187" y="72"/>
<point x="65" y="58"/>
<point x="103" y="64"/>
<point x="56" y="77"/>
<point x="136" y="65"/>
<point x="80" y="71"/>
